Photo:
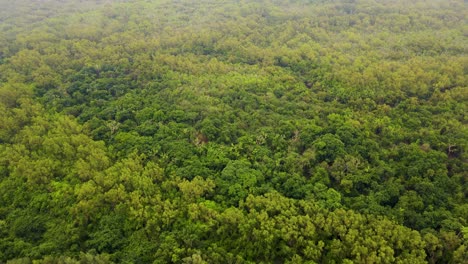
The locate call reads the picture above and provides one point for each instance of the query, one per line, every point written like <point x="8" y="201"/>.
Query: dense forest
<point x="244" y="131"/>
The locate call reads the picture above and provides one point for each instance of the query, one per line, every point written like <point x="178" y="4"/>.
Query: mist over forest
<point x="247" y="131"/>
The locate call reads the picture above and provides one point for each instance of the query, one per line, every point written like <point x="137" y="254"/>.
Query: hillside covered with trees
<point x="244" y="131"/>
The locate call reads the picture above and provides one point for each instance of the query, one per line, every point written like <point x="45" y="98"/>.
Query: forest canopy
<point x="248" y="131"/>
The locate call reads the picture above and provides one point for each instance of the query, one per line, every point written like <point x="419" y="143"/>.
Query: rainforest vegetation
<point x="243" y="131"/>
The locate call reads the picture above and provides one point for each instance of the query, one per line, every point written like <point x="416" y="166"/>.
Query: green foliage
<point x="233" y="132"/>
